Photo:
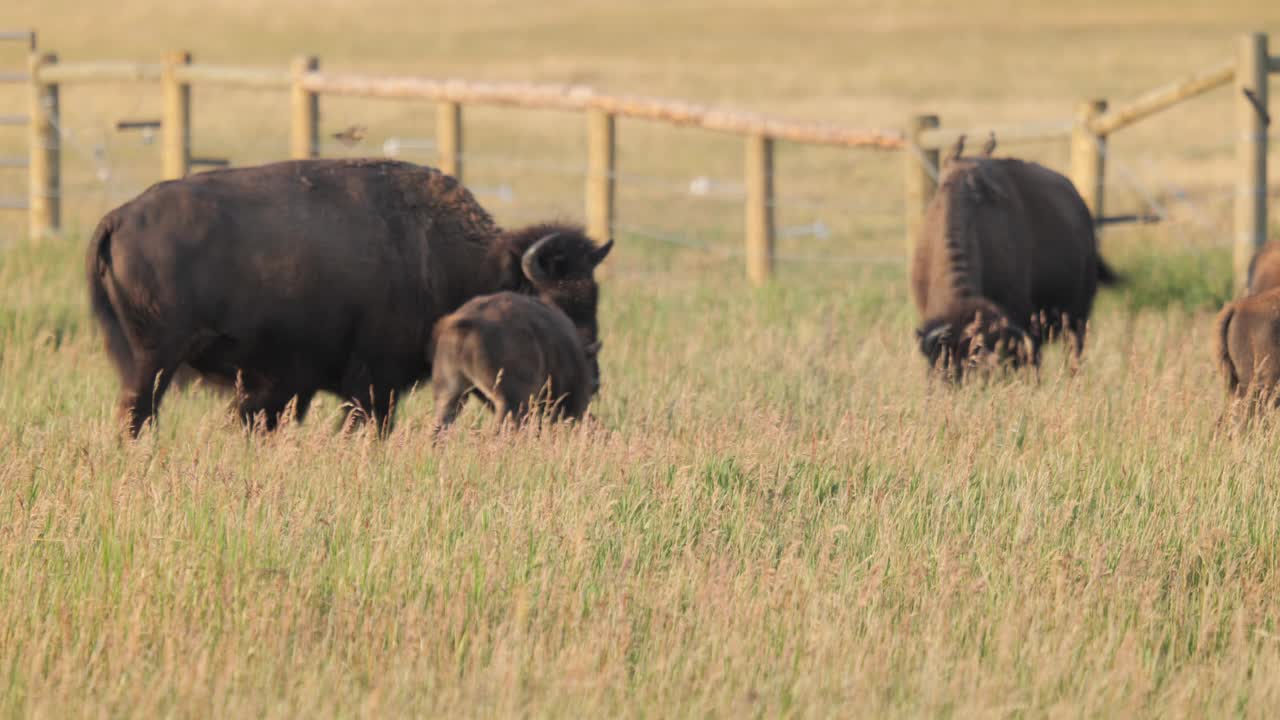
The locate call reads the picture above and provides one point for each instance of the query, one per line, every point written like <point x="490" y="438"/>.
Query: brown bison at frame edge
<point x="1247" y="342"/>
<point x="1247" y="348"/>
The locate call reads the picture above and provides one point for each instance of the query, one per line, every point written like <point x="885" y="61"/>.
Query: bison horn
<point x="531" y="265"/>
<point x="990" y="146"/>
<point x="958" y="149"/>
<point x="594" y="348"/>
<point x="599" y="255"/>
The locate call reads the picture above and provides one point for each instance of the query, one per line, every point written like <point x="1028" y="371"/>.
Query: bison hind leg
<point x="141" y="393"/>
<point x="508" y="411"/>
<point x="1079" y="328"/>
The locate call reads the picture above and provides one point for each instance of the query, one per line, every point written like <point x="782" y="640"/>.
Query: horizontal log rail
<point x="98" y="71"/>
<point x="259" y="78"/>
<point x="574" y="98"/>
<point x="1164" y="97"/>
<point x="577" y="98"/>
<point x="526" y="95"/>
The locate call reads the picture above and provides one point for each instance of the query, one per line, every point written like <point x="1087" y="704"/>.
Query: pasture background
<point x="777" y="515"/>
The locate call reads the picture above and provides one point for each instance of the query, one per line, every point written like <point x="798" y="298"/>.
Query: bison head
<point x="559" y="265"/>
<point x="977" y="334"/>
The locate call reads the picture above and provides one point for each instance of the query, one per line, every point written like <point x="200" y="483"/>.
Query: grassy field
<point x="776" y="515"/>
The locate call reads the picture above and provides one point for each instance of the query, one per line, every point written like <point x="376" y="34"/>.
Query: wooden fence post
<point x="921" y="177"/>
<point x="601" y="148"/>
<point x="1251" y="153"/>
<point x="1088" y="156"/>
<point x="44" y="162"/>
<point x="175" y="123"/>
<point x="760" y="226"/>
<point x="304" y="130"/>
<point x="449" y="138"/>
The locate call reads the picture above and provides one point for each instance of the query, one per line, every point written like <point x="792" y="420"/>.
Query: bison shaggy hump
<point x="319" y="275"/>
<point x="1006" y="257"/>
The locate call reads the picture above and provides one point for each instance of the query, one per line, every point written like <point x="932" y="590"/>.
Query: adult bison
<point x="297" y="277"/>
<point x="1006" y="258"/>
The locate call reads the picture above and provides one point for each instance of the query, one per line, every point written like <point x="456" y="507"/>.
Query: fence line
<point x="306" y="83"/>
<point x="88" y="144"/>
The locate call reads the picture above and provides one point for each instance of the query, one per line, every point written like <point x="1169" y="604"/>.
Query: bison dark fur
<point x="1011" y="241"/>
<point x="319" y="275"/>
<point x="513" y="350"/>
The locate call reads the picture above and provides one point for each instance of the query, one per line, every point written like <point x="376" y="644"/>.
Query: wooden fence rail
<point x="920" y="142"/>
<point x="1163" y="97"/>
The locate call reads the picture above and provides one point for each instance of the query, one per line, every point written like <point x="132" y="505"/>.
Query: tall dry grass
<point x="776" y="515"/>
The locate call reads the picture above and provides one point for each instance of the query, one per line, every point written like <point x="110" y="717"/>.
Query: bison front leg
<point x="511" y="405"/>
<point x="369" y="397"/>
<point x="376" y="403"/>
<point x="269" y="405"/>
<point x="450" y="391"/>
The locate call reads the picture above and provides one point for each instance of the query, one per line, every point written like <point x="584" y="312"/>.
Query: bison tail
<point x="1221" y="350"/>
<point x="100" y="275"/>
<point x="1106" y="275"/>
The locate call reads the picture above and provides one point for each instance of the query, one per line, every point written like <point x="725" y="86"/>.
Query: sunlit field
<point x="776" y="512"/>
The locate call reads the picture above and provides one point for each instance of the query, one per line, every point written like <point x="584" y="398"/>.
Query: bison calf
<point x="1248" y="346"/>
<point x="512" y="350"/>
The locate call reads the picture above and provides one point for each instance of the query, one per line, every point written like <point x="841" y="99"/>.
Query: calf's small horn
<point x="531" y="266"/>
<point x="601" y="253"/>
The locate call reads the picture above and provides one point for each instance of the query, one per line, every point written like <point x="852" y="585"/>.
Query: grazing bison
<point x="512" y="349"/>
<point x="297" y="277"/>
<point x="1247" y="347"/>
<point x="1264" y="268"/>
<point x="1006" y="257"/>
